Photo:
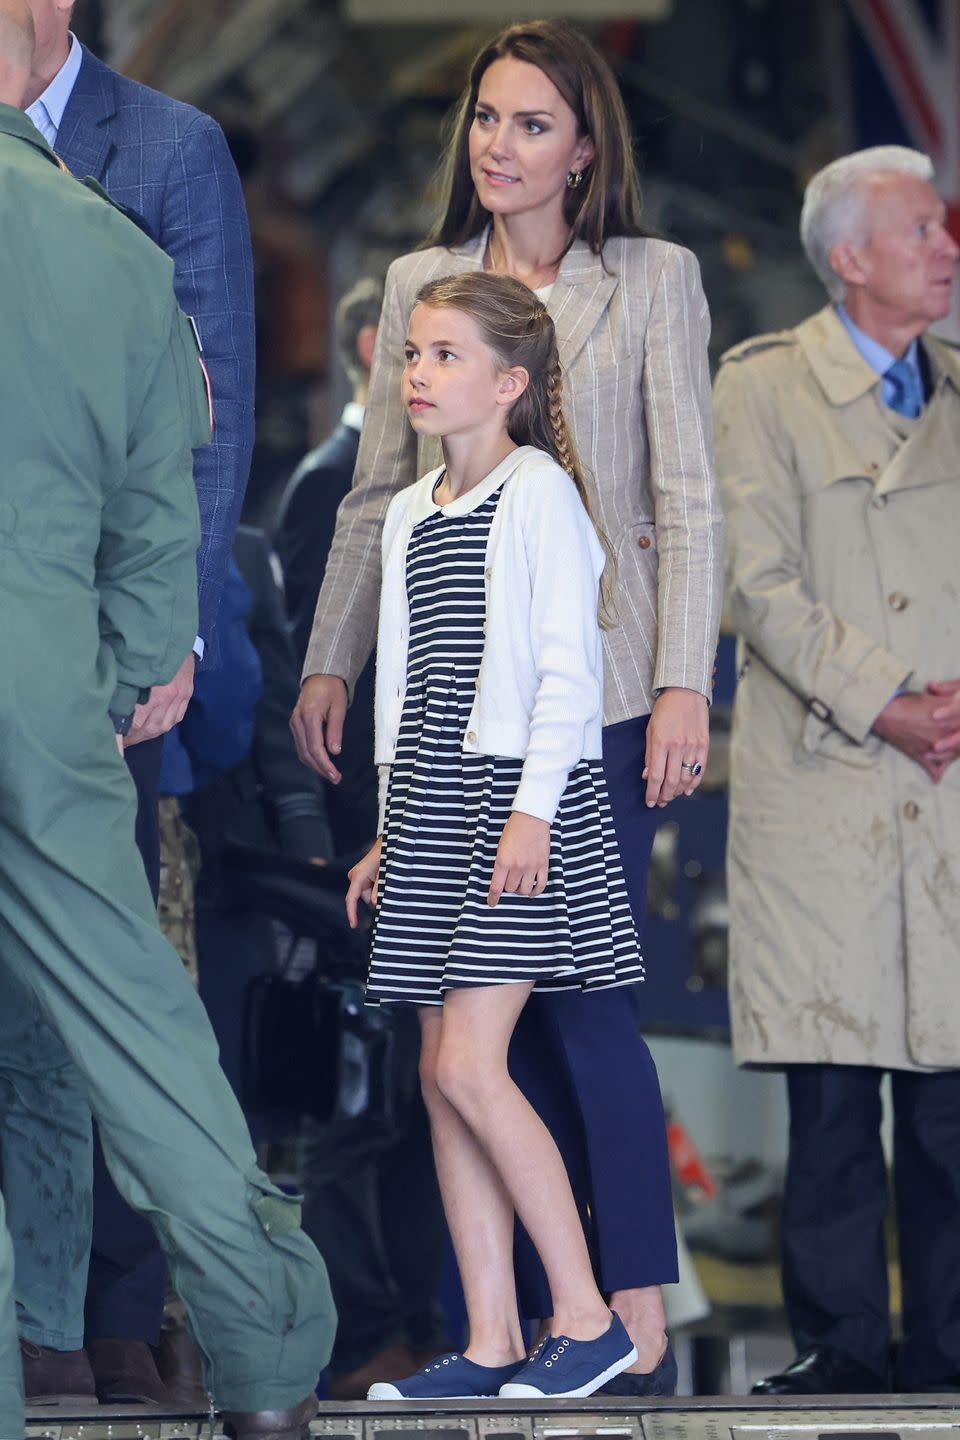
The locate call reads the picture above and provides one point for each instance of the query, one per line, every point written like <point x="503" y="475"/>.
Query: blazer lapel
<point x="580" y="295"/>
<point x="83" y="141"/>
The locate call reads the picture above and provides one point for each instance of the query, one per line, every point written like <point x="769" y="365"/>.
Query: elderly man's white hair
<point x="834" y="203"/>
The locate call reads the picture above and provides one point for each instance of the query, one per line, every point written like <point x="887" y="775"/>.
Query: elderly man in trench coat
<point x="839" y="455"/>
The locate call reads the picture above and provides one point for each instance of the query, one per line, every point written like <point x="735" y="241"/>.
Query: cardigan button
<point x="911" y="810"/>
<point x="472" y="736"/>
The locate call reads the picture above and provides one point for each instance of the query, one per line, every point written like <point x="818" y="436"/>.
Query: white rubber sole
<point x="384" y="1391"/>
<point x="514" y="1391"/>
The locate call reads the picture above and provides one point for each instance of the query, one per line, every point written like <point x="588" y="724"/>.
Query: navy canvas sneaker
<point x="449" y="1377"/>
<point x="562" y="1368"/>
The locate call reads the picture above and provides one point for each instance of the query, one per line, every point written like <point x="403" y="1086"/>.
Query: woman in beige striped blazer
<point x="541" y="184"/>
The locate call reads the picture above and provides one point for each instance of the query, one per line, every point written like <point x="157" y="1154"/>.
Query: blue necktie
<point x="907" y="397"/>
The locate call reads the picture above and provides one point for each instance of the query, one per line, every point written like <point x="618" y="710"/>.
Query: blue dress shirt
<point x="880" y="359"/>
<point x="46" y="112"/>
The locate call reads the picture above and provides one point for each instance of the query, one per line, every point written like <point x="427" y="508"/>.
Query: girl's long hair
<point x="607" y="201"/>
<point x="519" y="330"/>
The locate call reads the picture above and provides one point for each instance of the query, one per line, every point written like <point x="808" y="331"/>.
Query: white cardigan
<point x="540" y="686"/>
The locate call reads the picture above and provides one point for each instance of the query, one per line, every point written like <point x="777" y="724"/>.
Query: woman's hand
<point x="363" y="881"/>
<point x="678" y="736"/>
<point x="523" y="857"/>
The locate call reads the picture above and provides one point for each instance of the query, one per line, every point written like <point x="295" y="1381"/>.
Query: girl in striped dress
<point x="496" y="870"/>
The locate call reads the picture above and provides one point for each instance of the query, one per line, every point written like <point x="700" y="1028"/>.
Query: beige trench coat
<point x="843" y="573"/>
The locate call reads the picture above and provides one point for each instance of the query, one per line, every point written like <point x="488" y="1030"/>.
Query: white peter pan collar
<point x="423" y="503"/>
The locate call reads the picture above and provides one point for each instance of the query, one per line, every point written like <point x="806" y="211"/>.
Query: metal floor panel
<point x="880" y="1417"/>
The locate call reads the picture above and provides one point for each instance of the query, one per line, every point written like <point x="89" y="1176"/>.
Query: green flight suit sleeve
<point x="150" y="527"/>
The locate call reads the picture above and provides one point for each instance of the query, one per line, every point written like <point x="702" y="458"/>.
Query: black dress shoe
<point x="822" y="1371"/>
<point x="661" y="1380"/>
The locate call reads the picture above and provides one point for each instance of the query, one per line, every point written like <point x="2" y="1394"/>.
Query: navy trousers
<point x="127" y="1279"/>
<point x="584" y="1066"/>
<point x="834" y="1250"/>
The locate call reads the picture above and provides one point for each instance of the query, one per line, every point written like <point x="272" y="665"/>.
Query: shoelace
<point x="445" y="1361"/>
<point x="557" y="1353"/>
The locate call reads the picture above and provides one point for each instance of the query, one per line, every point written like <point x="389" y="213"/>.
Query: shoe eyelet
<point x="549" y="1364"/>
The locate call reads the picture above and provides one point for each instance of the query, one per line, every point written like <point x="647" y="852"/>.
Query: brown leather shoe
<point x="52" y="1377"/>
<point x="181" y="1368"/>
<point x="271" y="1424"/>
<point x="126" y="1372"/>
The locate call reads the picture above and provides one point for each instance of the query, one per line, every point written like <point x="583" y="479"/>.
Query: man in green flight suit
<point x="101" y="400"/>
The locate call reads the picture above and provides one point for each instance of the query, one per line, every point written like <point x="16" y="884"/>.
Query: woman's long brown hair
<point x="607" y="201"/>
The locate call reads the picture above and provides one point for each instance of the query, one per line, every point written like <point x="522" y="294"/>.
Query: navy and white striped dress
<point x="446" y="811"/>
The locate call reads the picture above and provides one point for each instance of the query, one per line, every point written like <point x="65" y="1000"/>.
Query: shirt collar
<point x="16" y="123"/>
<point x="46" y="112"/>
<point x="423" y="503"/>
<point x="875" y="354"/>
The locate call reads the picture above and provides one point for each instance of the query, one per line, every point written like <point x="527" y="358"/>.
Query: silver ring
<point x="695" y="768"/>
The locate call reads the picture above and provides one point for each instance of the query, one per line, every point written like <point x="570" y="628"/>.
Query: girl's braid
<point x="558" y="424"/>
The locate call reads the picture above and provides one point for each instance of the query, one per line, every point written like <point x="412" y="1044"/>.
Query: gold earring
<point x="574" y="178"/>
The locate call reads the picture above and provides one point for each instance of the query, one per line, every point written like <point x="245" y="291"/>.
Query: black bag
<point x="310" y="1043"/>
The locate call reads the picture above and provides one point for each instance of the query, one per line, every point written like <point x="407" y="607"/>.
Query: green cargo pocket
<point x="278" y="1213"/>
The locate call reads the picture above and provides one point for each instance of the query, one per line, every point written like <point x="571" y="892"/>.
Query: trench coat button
<point x="878" y="502"/>
<point x="911" y="810"/>
<point x="898" y="601"/>
<point x="644" y="542"/>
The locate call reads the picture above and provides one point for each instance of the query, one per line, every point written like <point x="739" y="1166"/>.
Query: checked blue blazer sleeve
<point x="204" y="231"/>
<point x="170" y="163"/>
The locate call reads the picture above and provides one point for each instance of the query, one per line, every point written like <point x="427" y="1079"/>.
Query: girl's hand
<point x="363" y="881"/>
<point x="678" y="735"/>
<point x="523" y="858"/>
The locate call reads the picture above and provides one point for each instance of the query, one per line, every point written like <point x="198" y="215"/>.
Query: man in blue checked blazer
<point x="168" y="164"/>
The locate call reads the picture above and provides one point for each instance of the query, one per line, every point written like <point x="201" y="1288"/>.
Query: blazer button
<point x="911" y="810"/>
<point x="644" y="542"/>
<point x="898" y="601"/>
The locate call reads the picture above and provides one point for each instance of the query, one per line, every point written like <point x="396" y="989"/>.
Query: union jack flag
<point x="905" y="61"/>
<point x="915" y="47"/>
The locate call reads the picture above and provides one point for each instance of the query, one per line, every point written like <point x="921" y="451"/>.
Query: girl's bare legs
<point x="479" y="1215"/>
<point x="472" y="1075"/>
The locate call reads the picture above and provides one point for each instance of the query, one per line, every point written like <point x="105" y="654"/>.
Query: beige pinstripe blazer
<point x="633" y="344"/>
